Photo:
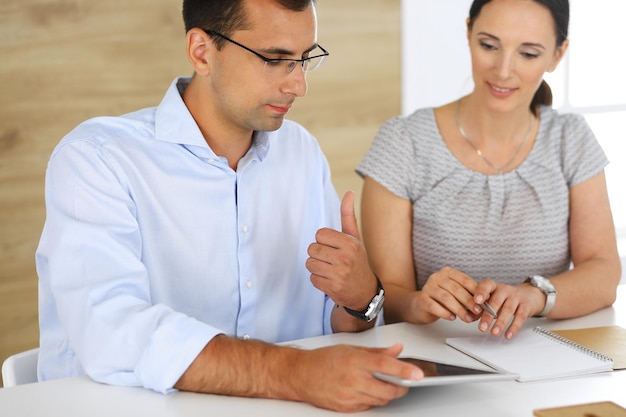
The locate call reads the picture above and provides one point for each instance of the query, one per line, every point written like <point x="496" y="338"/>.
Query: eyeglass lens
<point x="279" y="67"/>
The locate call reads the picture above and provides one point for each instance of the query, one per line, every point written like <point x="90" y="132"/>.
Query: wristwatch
<point x="547" y="288"/>
<point x="374" y="307"/>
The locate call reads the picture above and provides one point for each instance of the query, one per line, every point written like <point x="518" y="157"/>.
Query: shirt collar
<point x="174" y="123"/>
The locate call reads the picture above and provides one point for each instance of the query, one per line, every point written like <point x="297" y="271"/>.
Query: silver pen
<point x="489" y="309"/>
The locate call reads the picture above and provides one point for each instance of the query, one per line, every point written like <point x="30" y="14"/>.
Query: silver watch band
<point x="550" y="299"/>
<point x="545" y="286"/>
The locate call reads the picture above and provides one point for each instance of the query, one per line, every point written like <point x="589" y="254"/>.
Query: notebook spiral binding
<point x="565" y="341"/>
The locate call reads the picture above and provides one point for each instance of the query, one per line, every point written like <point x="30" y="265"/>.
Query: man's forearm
<point x="230" y="366"/>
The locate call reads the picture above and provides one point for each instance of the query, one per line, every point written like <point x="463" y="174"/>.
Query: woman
<point x="463" y="203"/>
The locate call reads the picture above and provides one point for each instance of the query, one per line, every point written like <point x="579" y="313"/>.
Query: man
<point x="176" y="235"/>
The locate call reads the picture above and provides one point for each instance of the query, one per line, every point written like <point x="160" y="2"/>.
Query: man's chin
<point x="272" y="124"/>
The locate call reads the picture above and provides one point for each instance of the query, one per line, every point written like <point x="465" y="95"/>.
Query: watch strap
<point x="550" y="298"/>
<point x="373" y="308"/>
<point x="546" y="287"/>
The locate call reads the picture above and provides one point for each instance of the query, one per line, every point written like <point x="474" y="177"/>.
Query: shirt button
<point x="245" y="228"/>
<point x="249" y="284"/>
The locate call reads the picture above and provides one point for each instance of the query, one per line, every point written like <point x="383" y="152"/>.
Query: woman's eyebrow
<point x="489" y="35"/>
<point x="532" y="44"/>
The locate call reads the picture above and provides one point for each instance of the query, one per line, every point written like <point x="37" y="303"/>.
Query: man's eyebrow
<point x="281" y="51"/>
<point x="533" y="44"/>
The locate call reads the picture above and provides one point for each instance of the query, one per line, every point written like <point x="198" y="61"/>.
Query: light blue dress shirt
<point x="152" y="245"/>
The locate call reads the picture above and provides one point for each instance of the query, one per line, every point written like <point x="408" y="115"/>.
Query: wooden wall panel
<point x="62" y="61"/>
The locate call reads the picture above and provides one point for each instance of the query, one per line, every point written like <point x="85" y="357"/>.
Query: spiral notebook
<point x="534" y="354"/>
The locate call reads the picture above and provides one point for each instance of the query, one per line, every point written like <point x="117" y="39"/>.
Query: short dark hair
<point x="226" y="16"/>
<point x="559" y="9"/>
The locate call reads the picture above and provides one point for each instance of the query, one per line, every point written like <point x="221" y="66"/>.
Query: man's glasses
<point x="280" y="66"/>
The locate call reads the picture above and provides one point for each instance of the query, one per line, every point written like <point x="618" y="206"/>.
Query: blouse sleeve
<point x="390" y="158"/>
<point x="583" y="157"/>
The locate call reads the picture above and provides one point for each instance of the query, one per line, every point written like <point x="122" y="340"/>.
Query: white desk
<point x="80" y="397"/>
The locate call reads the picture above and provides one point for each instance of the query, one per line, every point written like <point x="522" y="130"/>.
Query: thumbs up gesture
<point x="348" y="218"/>
<point x="338" y="262"/>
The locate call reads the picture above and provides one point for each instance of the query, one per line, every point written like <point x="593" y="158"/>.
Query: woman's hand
<point x="448" y="294"/>
<point x="514" y="304"/>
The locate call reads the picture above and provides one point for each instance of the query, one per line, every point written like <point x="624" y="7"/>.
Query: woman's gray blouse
<point x="504" y="227"/>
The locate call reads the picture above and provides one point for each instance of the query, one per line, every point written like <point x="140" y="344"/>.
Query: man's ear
<point x="199" y="46"/>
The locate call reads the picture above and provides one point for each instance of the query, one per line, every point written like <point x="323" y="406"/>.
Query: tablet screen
<point x="437" y="373"/>
<point x="431" y="368"/>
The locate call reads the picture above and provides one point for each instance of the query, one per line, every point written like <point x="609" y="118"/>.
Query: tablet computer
<point x="438" y="373"/>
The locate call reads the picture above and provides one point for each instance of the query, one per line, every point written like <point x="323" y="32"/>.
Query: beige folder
<point x="599" y="409"/>
<point x="608" y="340"/>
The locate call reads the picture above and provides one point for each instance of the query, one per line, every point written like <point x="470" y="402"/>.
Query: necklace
<point x="499" y="169"/>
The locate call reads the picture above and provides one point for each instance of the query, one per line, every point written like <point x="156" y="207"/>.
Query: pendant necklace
<point x="499" y="169"/>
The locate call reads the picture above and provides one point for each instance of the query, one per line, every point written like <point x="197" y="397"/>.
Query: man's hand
<point x="338" y="262"/>
<point x="337" y="377"/>
<point x="340" y="377"/>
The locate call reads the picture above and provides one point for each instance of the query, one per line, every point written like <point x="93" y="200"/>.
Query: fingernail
<point x="477" y="309"/>
<point x="479" y="299"/>
<point x="484" y="327"/>
<point x="495" y="331"/>
<point x="417" y="374"/>
<point x="509" y="335"/>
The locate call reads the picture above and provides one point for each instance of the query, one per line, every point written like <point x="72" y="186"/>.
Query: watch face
<point x="376" y="306"/>
<point x="542" y="283"/>
<point x="373" y="309"/>
<point x="379" y="304"/>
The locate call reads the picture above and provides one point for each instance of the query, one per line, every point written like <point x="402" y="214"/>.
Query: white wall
<point x="436" y="64"/>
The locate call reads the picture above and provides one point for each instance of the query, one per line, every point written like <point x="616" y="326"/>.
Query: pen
<point x="489" y="309"/>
